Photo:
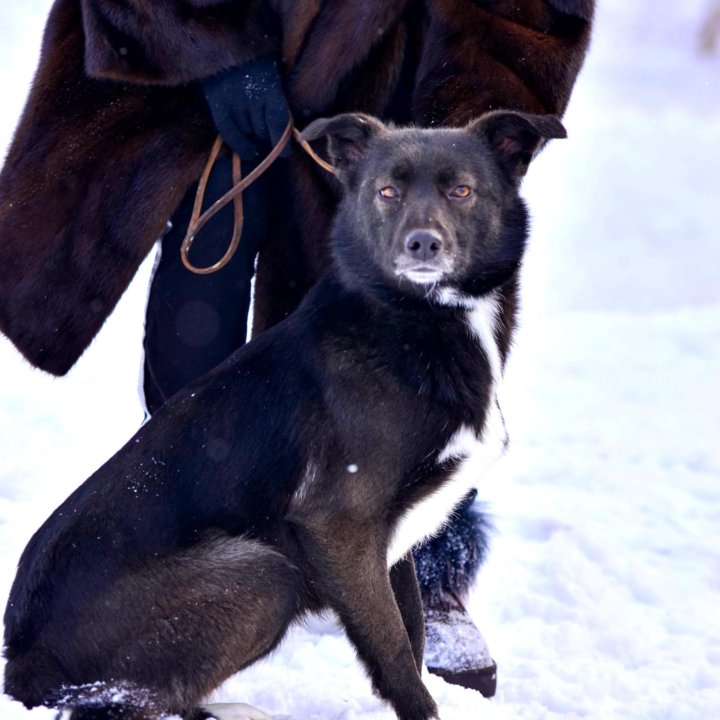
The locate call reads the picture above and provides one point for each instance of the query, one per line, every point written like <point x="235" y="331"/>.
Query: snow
<point x="600" y="596"/>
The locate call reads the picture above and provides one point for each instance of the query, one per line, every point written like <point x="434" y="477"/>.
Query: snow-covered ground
<point x="600" y="598"/>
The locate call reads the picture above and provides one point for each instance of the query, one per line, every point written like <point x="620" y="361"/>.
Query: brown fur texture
<point x="115" y="129"/>
<point x="169" y="42"/>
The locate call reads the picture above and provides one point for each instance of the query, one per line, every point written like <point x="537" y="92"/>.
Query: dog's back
<point x="295" y="474"/>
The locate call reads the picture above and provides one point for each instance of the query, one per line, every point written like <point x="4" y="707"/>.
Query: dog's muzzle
<point x="423" y="259"/>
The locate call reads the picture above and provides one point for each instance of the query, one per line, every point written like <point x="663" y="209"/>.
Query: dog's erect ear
<point x="348" y="136"/>
<point x="514" y="137"/>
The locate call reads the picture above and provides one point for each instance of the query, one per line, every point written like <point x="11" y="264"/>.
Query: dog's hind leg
<point x="177" y="628"/>
<point x="209" y="612"/>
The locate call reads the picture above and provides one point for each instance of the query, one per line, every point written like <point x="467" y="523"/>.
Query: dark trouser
<point x="194" y="322"/>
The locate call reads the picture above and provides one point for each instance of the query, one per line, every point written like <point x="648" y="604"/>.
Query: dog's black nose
<point x="423" y="244"/>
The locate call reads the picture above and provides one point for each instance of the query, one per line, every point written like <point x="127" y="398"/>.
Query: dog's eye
<point x="461" y="192"/>
<point x="389" y="193"/>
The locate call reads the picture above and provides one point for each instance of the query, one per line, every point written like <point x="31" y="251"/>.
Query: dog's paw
<point x="235" y="711"/>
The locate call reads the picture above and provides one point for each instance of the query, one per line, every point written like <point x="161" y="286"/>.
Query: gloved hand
<point x="248" y="106"/>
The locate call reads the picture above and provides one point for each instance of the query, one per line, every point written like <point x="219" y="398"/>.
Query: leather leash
<point x="234" y="195"/>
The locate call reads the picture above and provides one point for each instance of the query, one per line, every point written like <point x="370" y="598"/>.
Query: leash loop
<point x="199" y="219"/>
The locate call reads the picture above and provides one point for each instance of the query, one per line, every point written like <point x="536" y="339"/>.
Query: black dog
<point x="298" y="474"/>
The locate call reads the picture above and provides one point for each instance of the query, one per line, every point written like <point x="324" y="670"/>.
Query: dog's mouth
<point x="422" y="274"/>
<point x="425" y="272"/>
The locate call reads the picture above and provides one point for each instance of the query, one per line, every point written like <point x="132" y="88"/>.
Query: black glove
<point x="248" y="106"/>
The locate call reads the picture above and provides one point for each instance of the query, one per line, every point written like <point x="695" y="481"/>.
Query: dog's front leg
<point x="407" y="594"/>
<point x="349" y="564"/>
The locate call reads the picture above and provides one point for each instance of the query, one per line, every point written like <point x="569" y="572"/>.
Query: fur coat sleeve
<point x="97" y="166"/>
<point x="172" y="41"/>
<point x="114" y="131"/>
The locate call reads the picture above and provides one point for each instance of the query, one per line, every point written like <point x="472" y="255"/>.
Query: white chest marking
<point x="428" y="517"/>
<point x="476" y="454"/>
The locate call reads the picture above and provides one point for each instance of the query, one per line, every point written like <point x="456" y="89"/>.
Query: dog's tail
<point x="96" y="710"/>
<point x="109" y="711"/>
<point x="113" y="701"/>
<point x="118" y="711"/>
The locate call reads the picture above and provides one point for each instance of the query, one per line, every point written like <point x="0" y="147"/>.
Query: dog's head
<point x="429" y="211"/>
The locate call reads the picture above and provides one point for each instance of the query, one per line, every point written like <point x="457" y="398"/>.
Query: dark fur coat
<point x="115" y="129"/>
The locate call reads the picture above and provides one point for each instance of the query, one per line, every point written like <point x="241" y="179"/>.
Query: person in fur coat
<point x="124" y="109"/>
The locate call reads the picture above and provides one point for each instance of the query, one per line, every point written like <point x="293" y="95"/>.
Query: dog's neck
<point x="401" y="295"/>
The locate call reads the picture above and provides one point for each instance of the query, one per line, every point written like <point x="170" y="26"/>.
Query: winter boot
<point x="446" y="568"/>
